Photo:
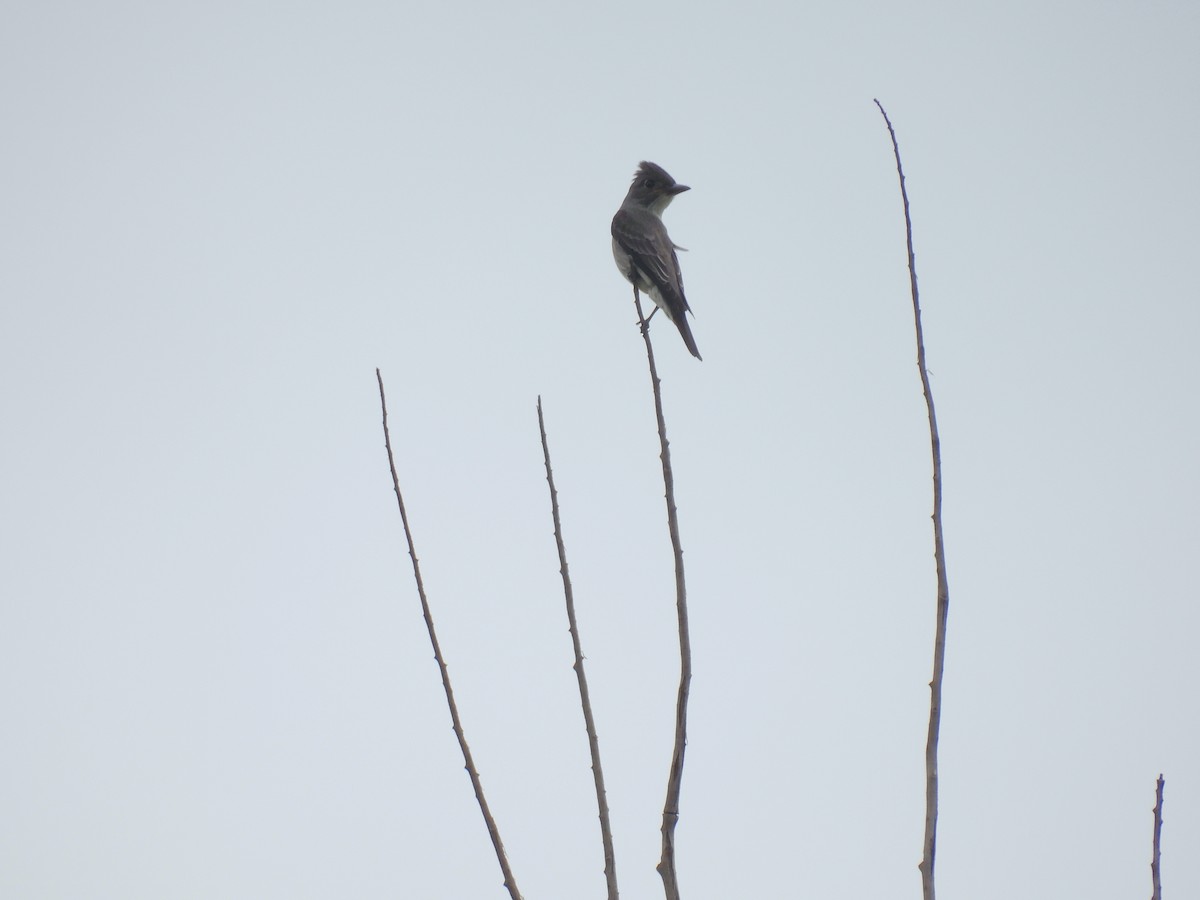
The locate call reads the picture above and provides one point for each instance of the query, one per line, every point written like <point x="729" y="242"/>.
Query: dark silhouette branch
<point x="666" y="864"/>
<point x="1155" y="870"/>
<point x="939" y="555"/>
<point x="610" y="861"/>
<point x="509" y="881"/>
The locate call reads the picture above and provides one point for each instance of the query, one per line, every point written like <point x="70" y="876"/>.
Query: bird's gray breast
<point x="625" y="263"/>
<point x="636" y="277"/>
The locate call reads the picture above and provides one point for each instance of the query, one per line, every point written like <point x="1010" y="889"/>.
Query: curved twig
<point x="939" y="555"/>
<point x="610" y="860"/>
<point x="509" y="881"/>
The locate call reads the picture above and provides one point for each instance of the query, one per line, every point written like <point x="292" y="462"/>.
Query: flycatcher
<point x="643" y="251"/>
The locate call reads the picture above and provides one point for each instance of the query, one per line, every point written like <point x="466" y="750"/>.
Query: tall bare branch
<point x="666" y="864"/>
<point x="939" y="555"/>
<point x="610" y="860"/>
<point x="509" y="881"/>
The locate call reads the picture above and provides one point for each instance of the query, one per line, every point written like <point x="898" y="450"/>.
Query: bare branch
<point x="1155" y="871"/>
<point x="666" y="864"/>
<point x="939" y="555"/>
<point x="509" y="881"/>
<point x="610" y="861"/>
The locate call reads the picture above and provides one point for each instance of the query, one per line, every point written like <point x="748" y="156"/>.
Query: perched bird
<point x="643" y="251"/>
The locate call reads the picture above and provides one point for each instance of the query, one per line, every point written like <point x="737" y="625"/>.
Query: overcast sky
<point x="217" y="219"/>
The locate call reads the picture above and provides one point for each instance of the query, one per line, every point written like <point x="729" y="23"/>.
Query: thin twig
<point x="939" y="555"/>
<point x="610" y="860"/>
<point x="1155" y="871"/>
<point x="509" y="881"/>
<point x="666" y="864"/>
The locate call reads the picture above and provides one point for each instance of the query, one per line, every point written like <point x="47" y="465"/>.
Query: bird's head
<point x="653" y="188"/>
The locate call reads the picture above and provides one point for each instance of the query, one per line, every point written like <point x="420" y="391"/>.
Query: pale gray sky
<point x="219" y="218"/>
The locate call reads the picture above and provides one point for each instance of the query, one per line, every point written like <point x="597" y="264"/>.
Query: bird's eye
<point x="648" y="183"/>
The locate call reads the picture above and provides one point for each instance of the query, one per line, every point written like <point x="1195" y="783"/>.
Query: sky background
<point x="217" y="219"/>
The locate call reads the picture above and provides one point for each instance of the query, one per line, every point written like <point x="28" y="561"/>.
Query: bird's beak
<point x="677" y="189"/>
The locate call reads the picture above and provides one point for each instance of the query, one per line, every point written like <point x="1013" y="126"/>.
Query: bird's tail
<point x="686" y="330"/>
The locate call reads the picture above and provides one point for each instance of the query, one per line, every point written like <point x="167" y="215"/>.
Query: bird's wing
<point x="644" y="238"/>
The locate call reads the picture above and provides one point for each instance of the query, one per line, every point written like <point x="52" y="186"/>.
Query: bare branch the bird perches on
<point x="509" y="881"/>
<point x="666" y="864"/>
<point x="610" y="861"/>
<point x="939" y="555"/>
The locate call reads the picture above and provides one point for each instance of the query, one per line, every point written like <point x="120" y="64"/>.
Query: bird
<point x="643" y="251"/>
